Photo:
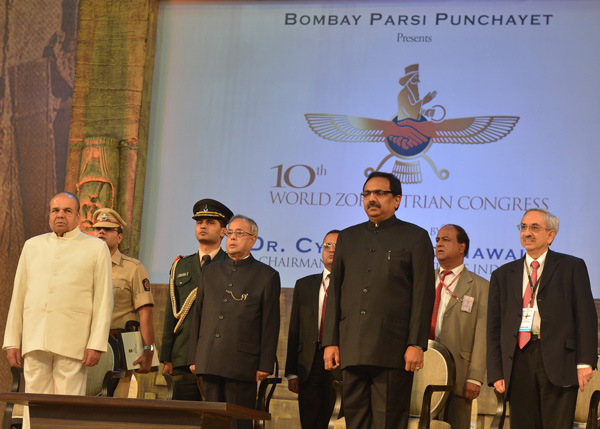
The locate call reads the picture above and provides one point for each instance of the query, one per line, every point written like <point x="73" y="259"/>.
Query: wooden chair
<point x="586" y="410"/>
<point x="431" y="389"/>
<point x="266" y="389"/>
<point x="498" y="421"/>
<point x="98" y="379"/>
<point x="100" y="376"/>
<point x="13" y="413"/>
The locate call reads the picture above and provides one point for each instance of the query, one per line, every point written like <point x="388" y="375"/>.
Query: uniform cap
<point x="211" y="209"/>
<point x="108" y="218"/>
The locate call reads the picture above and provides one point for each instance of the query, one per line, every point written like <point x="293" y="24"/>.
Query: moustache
<point x="374" y="204"/>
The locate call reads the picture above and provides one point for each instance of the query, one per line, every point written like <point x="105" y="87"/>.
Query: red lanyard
<point x="447" y="287"/>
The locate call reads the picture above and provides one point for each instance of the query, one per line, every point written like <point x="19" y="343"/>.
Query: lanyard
<point x="448" y="286"/>
<point x="534" y="287"/>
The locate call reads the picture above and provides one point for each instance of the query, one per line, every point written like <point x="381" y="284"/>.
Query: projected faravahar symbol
<point x="410" y="134"/>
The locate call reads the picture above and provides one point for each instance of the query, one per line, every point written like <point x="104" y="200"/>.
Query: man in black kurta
<point x="379" y="309"/>
<point x="235" y="326"/>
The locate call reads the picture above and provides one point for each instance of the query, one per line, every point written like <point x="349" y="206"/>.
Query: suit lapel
<point x="463" y="286"/>
<point x="515" y="280"/>
<point x="315" y="289"/>
<point x="549" y="266"/>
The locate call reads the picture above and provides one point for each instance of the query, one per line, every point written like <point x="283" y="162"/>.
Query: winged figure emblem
<point x="409" y="138"/>
<point x="413" y="130"/>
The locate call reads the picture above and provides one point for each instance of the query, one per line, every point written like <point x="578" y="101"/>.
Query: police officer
<point x="211" y="219"/>
<point x="131" y="289"/>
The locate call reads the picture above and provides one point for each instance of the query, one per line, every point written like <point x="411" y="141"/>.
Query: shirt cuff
<point x="291" y="376"/>
<point x="470" y="380"/>
<point x="583" y="365"/>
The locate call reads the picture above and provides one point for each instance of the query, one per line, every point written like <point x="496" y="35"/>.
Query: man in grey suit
<point x="304" y="366"/>
<point x="235" y="326"/>
<point x="379" y="309"/>
<point x="542" y="337"/>
<point x="459" y="320"/>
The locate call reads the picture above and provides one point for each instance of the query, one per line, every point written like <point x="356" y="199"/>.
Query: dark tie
<point x="205" y="260"/>
<point x="524" y="337"/>
<point x="436" y="305"/>
<point x="323" y="311"/>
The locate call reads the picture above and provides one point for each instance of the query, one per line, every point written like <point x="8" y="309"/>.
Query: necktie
<point x="325" y="288"/>
<point x="524" y="337"/>
<point x="436" y="305"/>
<point x="205" y="260"/>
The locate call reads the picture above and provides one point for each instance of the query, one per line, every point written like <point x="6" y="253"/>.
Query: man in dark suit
<point x="304" y="366"/>
<point x="459" y="320"/>
<point x="542" y="329"/>
<point x="379" y="309"/>
<point x="234" y="332"/>
<point x="211" y="218"/>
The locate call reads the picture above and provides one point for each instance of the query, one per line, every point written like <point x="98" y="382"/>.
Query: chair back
<point x="584" y="403"/>
<point x="438" y="370"/>
<point x="13" y="413"/>
<point x="266" y="389"/>
<point x="109" y="362"/>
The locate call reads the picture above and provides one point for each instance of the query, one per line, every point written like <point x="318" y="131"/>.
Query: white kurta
<point x="62" y="298"/>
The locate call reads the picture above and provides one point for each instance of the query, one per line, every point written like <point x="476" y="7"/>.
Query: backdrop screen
<point x="280" y="108"/>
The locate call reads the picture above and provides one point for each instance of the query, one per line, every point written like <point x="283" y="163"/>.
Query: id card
<point x="527" y="320"/>
<point x="467" y="304"/>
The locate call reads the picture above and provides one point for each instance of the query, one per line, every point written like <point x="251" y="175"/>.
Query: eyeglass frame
<point x="238" y="233"/>
<point x="534" y="227"/>
<point x="329" y="246"/>
<point x="377" y="192"/>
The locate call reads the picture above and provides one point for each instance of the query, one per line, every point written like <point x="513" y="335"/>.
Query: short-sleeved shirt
<point x="131" y="289"/>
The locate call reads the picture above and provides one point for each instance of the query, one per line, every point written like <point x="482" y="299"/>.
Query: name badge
<point x="527" y="320"/>
<point x="467" y="304"/>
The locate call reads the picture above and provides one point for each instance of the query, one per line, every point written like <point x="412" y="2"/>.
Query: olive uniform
<point x="184" y="277"/>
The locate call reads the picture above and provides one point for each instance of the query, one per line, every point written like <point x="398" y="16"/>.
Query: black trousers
<point x="221" y="389"/>
<point x="185" y="390"/>
<point x="376" y="397"/>
<point x="536" y="403"/>
<point x="316" y="397"/>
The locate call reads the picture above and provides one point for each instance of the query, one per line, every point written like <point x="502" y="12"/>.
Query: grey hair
<point x="551" y="220"/>
<point x="253" y="225"/>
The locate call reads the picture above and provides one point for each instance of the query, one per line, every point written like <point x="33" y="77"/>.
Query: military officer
<point x="211" y="219"/>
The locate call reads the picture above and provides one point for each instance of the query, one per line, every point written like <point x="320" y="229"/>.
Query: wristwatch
<point x="150" y="347"/>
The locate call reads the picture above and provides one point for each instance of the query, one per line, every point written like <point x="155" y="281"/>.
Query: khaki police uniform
<point x="131" y="289"/>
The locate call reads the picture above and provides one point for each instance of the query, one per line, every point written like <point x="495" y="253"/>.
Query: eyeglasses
<point x="238" y="233"/>
<point x="376" y="192"/>
<point x="534" y="227"/>
<point x="329" y="246"/>
<point x="105" y="228"/>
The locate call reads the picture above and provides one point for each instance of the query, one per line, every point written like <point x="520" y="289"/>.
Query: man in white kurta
<point x="61" y="306"/>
